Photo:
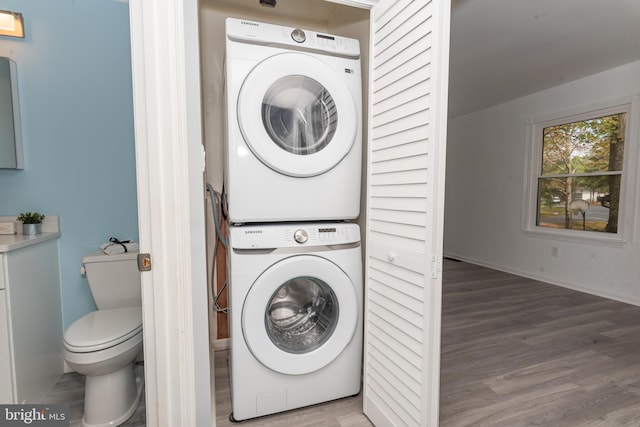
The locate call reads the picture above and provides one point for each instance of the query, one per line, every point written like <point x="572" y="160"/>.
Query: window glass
<point x="580" y="174"/>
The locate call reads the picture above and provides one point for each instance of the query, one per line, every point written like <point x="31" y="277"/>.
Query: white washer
<point x="294" y="124"/>
<point x="295" y="306"/>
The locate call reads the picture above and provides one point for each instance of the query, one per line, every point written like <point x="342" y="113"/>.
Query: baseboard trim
<point x="547" y="279"/>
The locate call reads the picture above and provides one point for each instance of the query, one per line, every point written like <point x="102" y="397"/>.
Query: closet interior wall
<point x="317" y="15"/>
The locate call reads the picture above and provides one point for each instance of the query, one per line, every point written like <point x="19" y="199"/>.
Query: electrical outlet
<point x="554" y="251"/>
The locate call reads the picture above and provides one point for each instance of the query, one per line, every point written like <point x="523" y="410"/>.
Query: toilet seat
<point x="102" y="329"/>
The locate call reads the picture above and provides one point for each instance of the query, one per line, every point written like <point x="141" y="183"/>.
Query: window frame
<point x="628" y="186"/>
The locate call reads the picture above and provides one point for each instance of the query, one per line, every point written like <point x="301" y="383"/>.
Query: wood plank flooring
<point x="345" y="412"/>
<point x="515" y="352"/>
<point x="518" y="352"/>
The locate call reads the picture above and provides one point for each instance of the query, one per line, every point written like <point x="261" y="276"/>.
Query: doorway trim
<point x="170" y="165"/>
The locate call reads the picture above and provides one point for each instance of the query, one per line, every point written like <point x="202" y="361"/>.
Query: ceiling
<point x="505" y="49"/>
<point x="298" y="11"/>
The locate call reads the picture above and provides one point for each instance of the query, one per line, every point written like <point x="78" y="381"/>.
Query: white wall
<point x="484" y="194"/>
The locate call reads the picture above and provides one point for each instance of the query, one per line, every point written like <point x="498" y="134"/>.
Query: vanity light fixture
<point x="11" y="24"/>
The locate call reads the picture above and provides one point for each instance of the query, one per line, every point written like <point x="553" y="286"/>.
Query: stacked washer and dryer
<point x="292" y="179"/>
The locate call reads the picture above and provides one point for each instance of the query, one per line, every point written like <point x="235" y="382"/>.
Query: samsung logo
<point x="254" y="24"/>
<point x="253" y="232"/>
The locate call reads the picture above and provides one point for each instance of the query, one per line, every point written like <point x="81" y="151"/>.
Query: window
<point x="578" y="175"/>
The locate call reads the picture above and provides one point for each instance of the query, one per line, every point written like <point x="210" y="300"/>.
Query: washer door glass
<point x="299" y="114"/>
<point x="302" y="315"/>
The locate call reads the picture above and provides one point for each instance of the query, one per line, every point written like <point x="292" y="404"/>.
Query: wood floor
<point x="515" y="352"/>
<point x="345" y="412"/>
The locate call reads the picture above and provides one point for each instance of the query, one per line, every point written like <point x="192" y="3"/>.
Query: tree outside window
<point x="581" y="173"/>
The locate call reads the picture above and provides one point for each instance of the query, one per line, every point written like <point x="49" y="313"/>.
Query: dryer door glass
<point x="299" y="115"/>
<point x="301" y="315"/>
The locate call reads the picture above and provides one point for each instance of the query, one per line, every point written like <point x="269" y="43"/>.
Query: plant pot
<point x="31" y="228"/>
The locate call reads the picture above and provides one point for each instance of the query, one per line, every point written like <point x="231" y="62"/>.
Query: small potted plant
<point x="31" y="222"/>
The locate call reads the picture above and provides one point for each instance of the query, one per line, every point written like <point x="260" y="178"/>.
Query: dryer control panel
<point x="271" y="236"/>
<point x="243" y="30"/>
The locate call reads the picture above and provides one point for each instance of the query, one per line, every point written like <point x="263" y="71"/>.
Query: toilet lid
<point x="102" y="329"/>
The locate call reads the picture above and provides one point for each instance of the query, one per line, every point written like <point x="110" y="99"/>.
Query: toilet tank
<point x="114" y="280"/>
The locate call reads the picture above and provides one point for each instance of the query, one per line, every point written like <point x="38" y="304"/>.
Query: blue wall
<point x="74" y="75"/>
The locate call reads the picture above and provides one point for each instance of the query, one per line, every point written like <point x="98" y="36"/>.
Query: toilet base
<point x="111" y="399"/>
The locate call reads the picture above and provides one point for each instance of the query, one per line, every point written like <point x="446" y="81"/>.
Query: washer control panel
<point x="246" y="31"/>
<point x="272" y="236"/>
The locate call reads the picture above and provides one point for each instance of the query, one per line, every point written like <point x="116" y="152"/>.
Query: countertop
<point x="11" y="242"/>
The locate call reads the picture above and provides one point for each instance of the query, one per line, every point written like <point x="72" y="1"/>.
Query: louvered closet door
<point x="410" y="48"/>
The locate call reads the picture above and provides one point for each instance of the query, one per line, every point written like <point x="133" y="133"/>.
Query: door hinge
<point x="144" y="262"/>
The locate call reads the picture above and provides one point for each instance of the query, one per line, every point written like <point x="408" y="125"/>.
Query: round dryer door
<point x="300" y="314"/>
<point x="297" y="115"/>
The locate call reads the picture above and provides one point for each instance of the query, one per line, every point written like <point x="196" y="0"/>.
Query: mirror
<point x="10" y="132"/>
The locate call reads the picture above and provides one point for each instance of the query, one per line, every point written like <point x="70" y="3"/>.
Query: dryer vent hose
<point x="216" y="209"/>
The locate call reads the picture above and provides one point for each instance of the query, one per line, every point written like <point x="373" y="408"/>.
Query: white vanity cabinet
<point x="31" y="330"/>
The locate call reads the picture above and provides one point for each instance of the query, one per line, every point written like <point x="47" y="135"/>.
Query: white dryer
<point x="295" y="306"/>
<point x="294" y="124"/>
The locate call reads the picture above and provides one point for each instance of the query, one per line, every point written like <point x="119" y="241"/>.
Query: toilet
<point x="104" y="344"/>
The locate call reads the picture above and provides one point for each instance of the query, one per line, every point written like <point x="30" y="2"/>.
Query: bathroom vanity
<point x="31" y="329"/>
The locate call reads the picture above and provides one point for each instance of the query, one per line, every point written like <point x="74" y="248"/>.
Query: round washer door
<point x="296" y="115"/>
<point x="300" y="314"/>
